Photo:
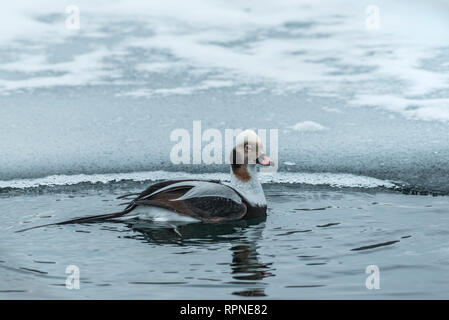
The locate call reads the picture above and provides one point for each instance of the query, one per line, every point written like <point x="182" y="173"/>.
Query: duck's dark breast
<point x="253" y="212"/>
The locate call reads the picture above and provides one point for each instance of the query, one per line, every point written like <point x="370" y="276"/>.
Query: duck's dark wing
<point x="208" y="201"/>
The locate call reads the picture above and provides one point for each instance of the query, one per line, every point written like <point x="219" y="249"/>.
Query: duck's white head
<point x="246" y="155"/>
<point x="248" y="152"/>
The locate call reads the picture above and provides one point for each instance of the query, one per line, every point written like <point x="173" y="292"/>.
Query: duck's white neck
<point x="250" y="189"/>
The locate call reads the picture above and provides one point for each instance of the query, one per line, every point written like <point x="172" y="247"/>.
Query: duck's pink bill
<point x="264" y="160"/>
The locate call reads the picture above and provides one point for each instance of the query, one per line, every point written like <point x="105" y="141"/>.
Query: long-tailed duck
<point x="209" y="201"/>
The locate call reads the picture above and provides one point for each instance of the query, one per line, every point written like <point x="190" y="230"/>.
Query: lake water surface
<point x="315" y="243"/>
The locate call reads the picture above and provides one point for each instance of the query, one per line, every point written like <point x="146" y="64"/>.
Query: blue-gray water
<point x="362" y="116"/>
<point x="304" y="249"/>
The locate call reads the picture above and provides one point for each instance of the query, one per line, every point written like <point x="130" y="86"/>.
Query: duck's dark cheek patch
<point x="241" y="172"/>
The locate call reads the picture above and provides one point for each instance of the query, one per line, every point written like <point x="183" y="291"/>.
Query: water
<point x="313" y="244"/>
<point x="362" y="117"/>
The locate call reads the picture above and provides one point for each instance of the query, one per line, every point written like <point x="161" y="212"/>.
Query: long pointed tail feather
<point x="97" y="218"/>
<point x="125" y="196"/>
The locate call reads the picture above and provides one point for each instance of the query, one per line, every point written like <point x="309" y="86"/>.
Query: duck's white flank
<point x="158" y="215"/>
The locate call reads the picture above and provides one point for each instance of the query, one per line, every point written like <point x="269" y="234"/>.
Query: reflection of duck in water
<point x="198" y="200"/>
<point x="246" y="268"/>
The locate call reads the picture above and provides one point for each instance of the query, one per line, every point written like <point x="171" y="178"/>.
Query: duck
<point x="194" y="200"/>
